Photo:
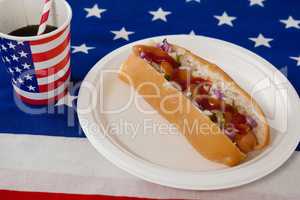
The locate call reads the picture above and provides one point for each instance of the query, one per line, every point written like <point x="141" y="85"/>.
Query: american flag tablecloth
<point x="46" y="151"/>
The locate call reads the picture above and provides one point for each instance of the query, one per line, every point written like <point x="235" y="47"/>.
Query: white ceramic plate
<point x="135" y="142"/>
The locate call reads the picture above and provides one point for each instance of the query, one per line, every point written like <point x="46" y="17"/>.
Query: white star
<point x="122" y="34"/>
<point x="23" y="54"/>
<point x="3" y="60"/>
<point x="28" y="77"/>
<point x="10" y="70"/>
<point x="159" y="14"/>
<point x="95" y="11"/>
<point x="82" y="48"/>
<point x="260" y="40"/>
<point x="11" y="45"/>
<point x="257" y="2"/>
<point x="192" y="33"/>
<point x="31" y="88"/>
<point x="291" y="22"/>
<point x="20" y="80"/>
<point x="297" y="59"/>
<point x="14" y="57"/>
<point x="20" y="42"/>
<point x="225" y="19"/>
<point x="18" y="69"/>
<point x="7" y="59"/>
<point x="26" y="66"/>
<point x="3" y="47"/>
<point x="192" y="0"/>
<point x="66" y="100"/>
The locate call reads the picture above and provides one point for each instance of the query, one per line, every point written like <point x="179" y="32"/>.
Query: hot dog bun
<point x="212" y="143"/>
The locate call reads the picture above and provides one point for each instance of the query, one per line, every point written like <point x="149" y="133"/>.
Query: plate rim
<point x="113" y="154"/>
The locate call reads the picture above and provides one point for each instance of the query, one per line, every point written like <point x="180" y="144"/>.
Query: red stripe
<point x="55" y="84"/>
<point x="44" y="17"/>
<point x="48" y="39"/>
<point x="47" y="55"/>
<point x="40" y="102"/>
<point x="17" y="195"/>
<point x="54" y="69"/>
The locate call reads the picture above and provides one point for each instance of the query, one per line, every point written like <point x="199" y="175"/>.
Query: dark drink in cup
<point x="31" y="30"/>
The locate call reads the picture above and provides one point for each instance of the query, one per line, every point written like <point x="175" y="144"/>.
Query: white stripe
<point x="42" y="26"/>
<point x="53" y="61"/>
<point x="47" y="6"/>
<point x="50" y="45"/>
<point x="54" y="77"/>
<point x="44" y="95"/>
<point x="72" y="165"/>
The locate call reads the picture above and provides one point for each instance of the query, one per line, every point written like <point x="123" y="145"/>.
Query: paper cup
<point x="39" y="66"/>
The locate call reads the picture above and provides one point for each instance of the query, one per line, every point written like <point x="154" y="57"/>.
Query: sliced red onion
<point x="165" y="46"/>
<point x="218" y="93"/>
<point x="251" y="121"/>
<point x="231" y="133"/>
<point x="142" y="55"/>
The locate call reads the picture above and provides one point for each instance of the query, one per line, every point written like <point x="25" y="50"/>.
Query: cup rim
<point x="38" y="37"/>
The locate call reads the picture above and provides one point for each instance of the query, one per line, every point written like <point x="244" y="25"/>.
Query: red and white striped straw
<point x="44" y="16"/>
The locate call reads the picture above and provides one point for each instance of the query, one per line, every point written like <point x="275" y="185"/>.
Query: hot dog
<point x="200" y="92"/>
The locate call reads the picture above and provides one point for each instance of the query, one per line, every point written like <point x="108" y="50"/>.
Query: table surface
<point x="48" y="152"/>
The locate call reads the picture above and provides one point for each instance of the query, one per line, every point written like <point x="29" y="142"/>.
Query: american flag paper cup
<point x="39" y="65"/>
